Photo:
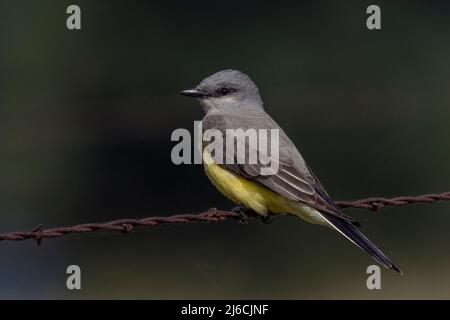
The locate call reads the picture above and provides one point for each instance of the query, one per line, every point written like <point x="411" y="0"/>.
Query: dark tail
<point x="352" y="233"/>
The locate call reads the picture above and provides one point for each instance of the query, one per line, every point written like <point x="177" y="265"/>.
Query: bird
<point x="231" y="100"/>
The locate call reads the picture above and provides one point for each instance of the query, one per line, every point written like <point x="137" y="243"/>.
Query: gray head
<point x="226" y="90"/>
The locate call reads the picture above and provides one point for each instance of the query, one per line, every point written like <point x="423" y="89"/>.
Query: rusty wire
<point x="378" y="203"/>
<point x="212" y="215"/>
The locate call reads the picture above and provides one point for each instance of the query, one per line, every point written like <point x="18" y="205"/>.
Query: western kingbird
<point x="231" y="100"/>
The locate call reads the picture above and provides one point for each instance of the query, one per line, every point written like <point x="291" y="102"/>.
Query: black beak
<point x="194" y="93"/>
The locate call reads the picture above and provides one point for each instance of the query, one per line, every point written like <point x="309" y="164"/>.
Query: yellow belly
<point x="259" y="199"/>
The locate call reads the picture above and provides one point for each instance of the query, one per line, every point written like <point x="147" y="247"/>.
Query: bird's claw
<point x="266" y="219"/>
<point x="243" y="217"/>
<point x="245" y="212"/>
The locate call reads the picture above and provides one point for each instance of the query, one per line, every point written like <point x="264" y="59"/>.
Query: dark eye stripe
<point x="223" y="91"/>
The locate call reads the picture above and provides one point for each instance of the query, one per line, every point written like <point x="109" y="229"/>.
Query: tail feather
<point x="352" y="233"/>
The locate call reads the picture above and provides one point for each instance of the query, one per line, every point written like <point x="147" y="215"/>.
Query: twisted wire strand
<point x="212" y="215"/>
<point x="378" y="203"/>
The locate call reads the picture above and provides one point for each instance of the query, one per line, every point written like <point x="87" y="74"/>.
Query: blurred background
<point x="85" y="124"/>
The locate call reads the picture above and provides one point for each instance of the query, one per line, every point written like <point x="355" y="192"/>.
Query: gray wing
<point x="293" y="180"/>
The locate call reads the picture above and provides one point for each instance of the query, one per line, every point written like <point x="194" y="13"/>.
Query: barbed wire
<point x="212" y="215"/>
<point x="378" y="203"/>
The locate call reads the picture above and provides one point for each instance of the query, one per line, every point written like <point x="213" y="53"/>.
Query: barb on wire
<point x="212" y="215"/>
<point x="378" y="203"/>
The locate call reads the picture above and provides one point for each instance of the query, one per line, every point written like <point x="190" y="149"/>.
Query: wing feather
<point x="293" y="180"/>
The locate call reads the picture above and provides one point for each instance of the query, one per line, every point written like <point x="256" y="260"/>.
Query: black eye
<point x="223" y="91"/>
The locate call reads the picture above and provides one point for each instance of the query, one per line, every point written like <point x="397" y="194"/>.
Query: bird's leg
<point x="243" y="212"/>
<point x="266" y="219"/>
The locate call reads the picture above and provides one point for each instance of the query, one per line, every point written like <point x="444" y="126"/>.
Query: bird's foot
<point x="243" y="213"/>
<point x="266" y="219"/>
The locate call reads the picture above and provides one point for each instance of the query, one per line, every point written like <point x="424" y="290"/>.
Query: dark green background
<point x="85" y="124"/>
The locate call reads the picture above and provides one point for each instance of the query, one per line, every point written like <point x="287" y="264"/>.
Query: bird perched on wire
<point x="231" y="100"/>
